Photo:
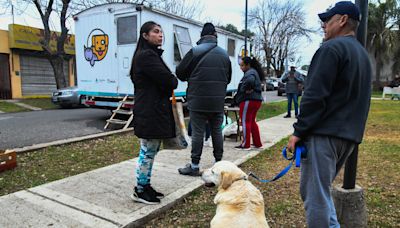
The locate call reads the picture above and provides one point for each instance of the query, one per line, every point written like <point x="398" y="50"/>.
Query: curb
<point x="71" y="140"/>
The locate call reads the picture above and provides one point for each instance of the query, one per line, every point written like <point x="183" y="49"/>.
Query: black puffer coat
<point x="154" y="83"/>
<point x="207" y="77"/>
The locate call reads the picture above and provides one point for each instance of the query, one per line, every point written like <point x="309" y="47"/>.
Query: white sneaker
<point x="208" y="142"/>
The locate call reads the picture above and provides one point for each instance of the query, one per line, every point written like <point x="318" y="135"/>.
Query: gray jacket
<point x="207" y="77"/>
<point x="249" y="82"/>
<point x="292" y="79"/>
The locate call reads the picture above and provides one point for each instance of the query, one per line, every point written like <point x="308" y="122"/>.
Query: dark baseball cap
<point x="342" y="8"/>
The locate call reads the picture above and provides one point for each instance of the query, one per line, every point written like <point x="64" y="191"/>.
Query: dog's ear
<point x="226" y="180"/>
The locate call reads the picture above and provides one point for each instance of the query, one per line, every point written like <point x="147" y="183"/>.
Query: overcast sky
<point x="220" y="11"/>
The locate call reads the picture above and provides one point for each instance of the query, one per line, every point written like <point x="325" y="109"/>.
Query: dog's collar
<point x="242" y="178"/>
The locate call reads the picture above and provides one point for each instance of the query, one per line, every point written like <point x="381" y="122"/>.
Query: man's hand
<point x="291" y="146"/>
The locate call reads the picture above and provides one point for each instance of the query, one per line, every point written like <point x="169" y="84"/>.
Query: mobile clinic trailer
<point x="106" y="38"/>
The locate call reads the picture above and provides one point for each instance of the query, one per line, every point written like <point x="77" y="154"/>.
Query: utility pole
<point x="12" y="12"/>
<point x="245" y="31"/>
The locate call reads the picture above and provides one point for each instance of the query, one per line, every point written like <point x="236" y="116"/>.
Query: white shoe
<point x="208" y="143"/>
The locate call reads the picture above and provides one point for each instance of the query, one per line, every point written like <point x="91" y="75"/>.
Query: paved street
<point x="28" y="128"/>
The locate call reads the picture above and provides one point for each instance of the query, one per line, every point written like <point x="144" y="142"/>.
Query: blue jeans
<point x="325" y="156"/>
<point x="148" y="150"/>
<point x="295" y="98"/>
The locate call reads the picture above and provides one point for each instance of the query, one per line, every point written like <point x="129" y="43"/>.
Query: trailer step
<point x="127" y="102"/>
<point x="124" y="108"/>
<point x="123" y="112"/>
<point x="117" y="121"/>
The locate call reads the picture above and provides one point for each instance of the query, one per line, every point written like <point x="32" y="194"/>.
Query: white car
<point x="275" y="82"/>
<point x="67" y="97"/>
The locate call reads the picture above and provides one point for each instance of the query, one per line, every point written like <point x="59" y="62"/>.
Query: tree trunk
<point x="377" y="85"/>
<point x="58" y="67"/>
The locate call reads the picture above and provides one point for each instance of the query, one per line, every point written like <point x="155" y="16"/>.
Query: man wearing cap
<point x="292" y="79"/>
<point x="334" y="109"/>
<point x="207" y="69"/>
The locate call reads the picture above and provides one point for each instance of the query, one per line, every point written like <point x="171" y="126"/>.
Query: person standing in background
<point x="249" y="98"/>
<point x="293" y="80"/>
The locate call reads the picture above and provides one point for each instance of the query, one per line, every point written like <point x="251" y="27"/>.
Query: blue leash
<point x="299" y="153"/>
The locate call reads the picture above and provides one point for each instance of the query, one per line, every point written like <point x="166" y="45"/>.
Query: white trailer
<point x="106" y="38"/>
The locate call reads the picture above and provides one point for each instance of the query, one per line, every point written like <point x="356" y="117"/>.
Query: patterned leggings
<point x="148" y="150"/>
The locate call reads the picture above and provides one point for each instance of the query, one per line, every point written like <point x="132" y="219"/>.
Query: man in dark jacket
<point x="334" y="110"/>
<point x="293" y="80"/>
<point x="207" y="69"/>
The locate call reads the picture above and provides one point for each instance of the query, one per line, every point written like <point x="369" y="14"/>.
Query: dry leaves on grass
<point x="54" y="163"/>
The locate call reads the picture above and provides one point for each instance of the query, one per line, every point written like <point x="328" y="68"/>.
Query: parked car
<point x="275" y="82"/>
<point x="67" y="97"/>
<point x="281" y="88"/>
<point x="268" y="85"/>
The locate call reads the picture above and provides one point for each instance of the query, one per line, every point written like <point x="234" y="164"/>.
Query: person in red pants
<point x="249" y="98"/>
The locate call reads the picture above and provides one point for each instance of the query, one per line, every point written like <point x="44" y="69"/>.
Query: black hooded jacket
<point x="154" y="84"/>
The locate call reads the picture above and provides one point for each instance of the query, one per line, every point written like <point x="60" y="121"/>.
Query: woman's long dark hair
<point x="256" y="65"/>
<point x="146" y="28"/>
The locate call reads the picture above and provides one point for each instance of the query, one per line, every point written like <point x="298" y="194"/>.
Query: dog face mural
<point x="98" y="50"/>
<point x="100" y="46"/>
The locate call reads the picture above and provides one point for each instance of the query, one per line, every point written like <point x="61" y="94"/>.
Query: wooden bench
<point x="395" y="92"/>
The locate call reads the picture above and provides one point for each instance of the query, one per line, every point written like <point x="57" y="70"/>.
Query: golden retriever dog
<point x="239" y="203"/>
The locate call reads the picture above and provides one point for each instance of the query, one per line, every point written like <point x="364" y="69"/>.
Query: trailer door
<point x="127" y="36"/>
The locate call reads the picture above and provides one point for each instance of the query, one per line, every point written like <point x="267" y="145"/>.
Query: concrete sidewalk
<point x="100" y="198"/>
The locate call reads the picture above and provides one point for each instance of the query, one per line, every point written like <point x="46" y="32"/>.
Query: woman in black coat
<point x="153" y="117"/>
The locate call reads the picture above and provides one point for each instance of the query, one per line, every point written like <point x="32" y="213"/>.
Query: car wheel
<point x="82" y="100"/>
<point x="66" y="105"/>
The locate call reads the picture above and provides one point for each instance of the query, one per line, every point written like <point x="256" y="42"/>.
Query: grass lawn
<point x="272" y="109"/>
<point x="43" y="103"/>
<point x="54" y="163"/>
<point x="10" y="107"/>
<point x="378" y="169"/>
<point x="377" y="94"/>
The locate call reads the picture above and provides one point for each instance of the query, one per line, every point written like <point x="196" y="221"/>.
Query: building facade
<point x="25" y="72"/>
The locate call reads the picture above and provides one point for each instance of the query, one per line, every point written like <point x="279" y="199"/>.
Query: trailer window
<point x="231" y="47"/>
<point x="182" y="42"/>
<point x="127" y="30"/>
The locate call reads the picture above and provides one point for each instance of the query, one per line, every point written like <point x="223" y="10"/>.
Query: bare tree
<point x="280" y="26"/>
<point x="184" y="8"/>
